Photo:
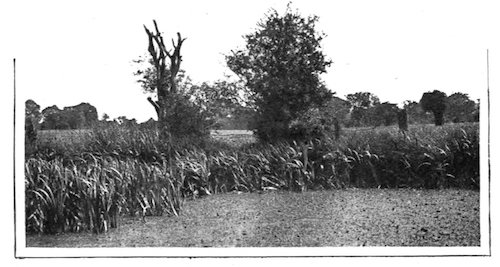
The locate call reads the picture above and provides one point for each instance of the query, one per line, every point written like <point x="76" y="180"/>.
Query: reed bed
<point x="86" y="185"/>
<point x="91" y="192"/>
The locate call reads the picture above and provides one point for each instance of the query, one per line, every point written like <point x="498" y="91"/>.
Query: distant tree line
<point x="80" y="116"/>
<point x="229" y="112"/>
<point x="364" y="109"/>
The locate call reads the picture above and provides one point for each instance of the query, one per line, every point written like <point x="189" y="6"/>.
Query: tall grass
<point x="85" y="184"/>
<point x="427" y="156"/>
<point x="91" y="192"/>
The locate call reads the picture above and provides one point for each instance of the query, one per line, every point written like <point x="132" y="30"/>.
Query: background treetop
<point x="434" y="102"/>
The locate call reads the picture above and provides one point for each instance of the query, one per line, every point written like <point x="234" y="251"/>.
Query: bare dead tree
<point x="165" y="91"/>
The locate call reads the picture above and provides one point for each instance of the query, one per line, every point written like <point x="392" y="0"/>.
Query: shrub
<point x="312" y="124"/>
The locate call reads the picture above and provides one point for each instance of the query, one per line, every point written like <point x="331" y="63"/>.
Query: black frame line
<point x="14" y="160"/>
<point x="489" y="148"/>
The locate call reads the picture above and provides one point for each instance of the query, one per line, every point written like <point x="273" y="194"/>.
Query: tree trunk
<point x="305" y="154"/>
<point x="438" y="118"/>
<point x="165" y="94"/>
<point x="402" y="120"/>
<point x="337" y="129"/>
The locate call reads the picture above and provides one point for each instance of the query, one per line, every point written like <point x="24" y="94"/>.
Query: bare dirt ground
<point x="351" y="217"/>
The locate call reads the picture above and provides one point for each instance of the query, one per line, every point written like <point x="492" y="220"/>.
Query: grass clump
<point x="91" y="192"/>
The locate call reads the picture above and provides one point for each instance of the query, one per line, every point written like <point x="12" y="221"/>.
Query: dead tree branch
<point x="159" y="53"/>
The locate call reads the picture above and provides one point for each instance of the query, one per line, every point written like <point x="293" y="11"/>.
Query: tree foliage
<point x="222" y="102"/>
<point x="314" y="123"/>
<point x="460" y="108"/>
<point x="32" y="110"/>
<point x="148" y="77"/>
<point x="361" y="102"/>
<point x="31" y="125"/>
<point x="383" y="114"/>
<point x="281" y="65"/>
<point x="434" y="102"/>
<point x="338" y="108"/>
<point x="83" y="115"/>
<point x="226" y="102"/>
<point x="363" y="99"/>
<point x="416" y="115"/>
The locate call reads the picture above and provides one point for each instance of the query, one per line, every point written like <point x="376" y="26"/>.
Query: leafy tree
<point x="281" y="65"/>
<point x="360" y="103"/>
<point x="312" y="124"/>
<point x="382" y="114"/>
<point x="434" y="102"/>
<point x="52" y="118"/>
<point x="31" y="124"/>
<point x="83" y="115"/>
<point x="338" y="108"/>
<point x="227" y="103"/>
<point x="147" y="77"/>
<point x="32" y="110"/>
<point x="363" y="99"/>
<point x="89" y="113"/>
<point x="416" y="115"/>
<point x="220" y="100"/>
<point x="243" y="118"/>
<point x="72" y="118"/>
<point x="460" y="108"/>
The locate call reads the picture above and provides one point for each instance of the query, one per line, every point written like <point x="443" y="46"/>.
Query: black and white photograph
<point x="262" y="130"/>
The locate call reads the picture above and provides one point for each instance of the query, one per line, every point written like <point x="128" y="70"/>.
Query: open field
<point x="350" y="217"/>
<point x="234" y="137"/>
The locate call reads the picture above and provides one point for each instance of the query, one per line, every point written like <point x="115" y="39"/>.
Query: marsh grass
<point x="85" y="181"/>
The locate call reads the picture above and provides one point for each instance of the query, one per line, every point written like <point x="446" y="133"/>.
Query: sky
<point x="68" y="52"/>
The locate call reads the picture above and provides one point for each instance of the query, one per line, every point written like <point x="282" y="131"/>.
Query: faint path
<point x="354" y="217"/>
